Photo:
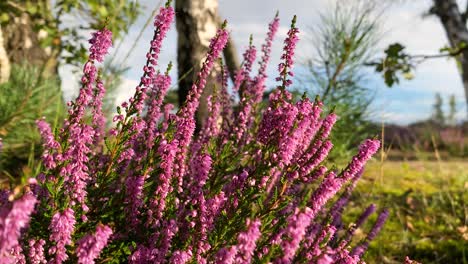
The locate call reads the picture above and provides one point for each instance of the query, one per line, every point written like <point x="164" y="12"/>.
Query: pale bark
<point x="4" y="61"/>
<point x="454" y="23"/>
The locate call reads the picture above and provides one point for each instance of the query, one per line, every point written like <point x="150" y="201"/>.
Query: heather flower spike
<point x="253" y="186"/>
<point x="100" y="43"/>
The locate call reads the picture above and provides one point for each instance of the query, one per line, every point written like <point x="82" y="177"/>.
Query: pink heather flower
<point x="168" y="117"/>
<point x="141" y="255"/>
<point x="61" y="228"/>
<point x="303" y="121"/>
<point x="325" y="259"/>
<point x="162" y="22"/>
<point x="185" y="124"/>
<point x="320" y="154"/>
<point x="239" y="78"/>
<point x="285" y="67"/>
<point x="277" y="120"/>
<point x="133" y="199"/>
<point x="243" y="119"/>
<point x="249" y="57"/>
<point x="169" y="231"/>
<point x="360" y="249"/>
<point x="211" y="127"/>
<point x="100" y="44"/>
<point x="76" y="171"/>
<point x="409" y="261"/>
<point x="161" y="84"/>
<point x="266" y="47"/>
<point x="214" y="206"/>
<point x="99" y="121"/>
<point x="236" y="183"/>
<point x="327" y="125"/>
<point x="327" y="189"/>
<point x="226" y="255"/>
<point x="243" y="74"/>
<point x="329" y="231"/>
<point x="85" y="96"/>
<point x="36" y="251"/>
<point x="312" y="116"/>
<point x="258" y="85"/>
<point x="217" y="44"/>
<point x="14" y="216"/>
<point x="226" y="104"/>
<point x="331" y="255"/>
<point x="50" y="144"/>
<point x="318" y="149"/>
<point x="181" y="257"/>
<point x="317" y="173"/>
<point x="246" y="241"/>
<point x="362" y="218"/>
<point x="200" y="168"/>
<point x="338" y="207"/>
<point x="366" y="150"/>
<point x="90" y="246"/>
<point x="46" y="134"/>
<point x="294" y="233"/>
<point x="4" y="194"/>
<point x="16" y="256"/>
<point x="167" y="152"/>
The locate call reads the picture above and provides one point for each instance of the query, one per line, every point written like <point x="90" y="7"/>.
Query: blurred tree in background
<point x="438" y="114"/>
<point x="46" y="33"/>
<point x="451" y="118"/>
<point x="454" y="21"/>
<point x="343" y="42"/>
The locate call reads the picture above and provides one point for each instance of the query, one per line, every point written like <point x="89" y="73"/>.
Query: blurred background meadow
<point x="394" y="70"/>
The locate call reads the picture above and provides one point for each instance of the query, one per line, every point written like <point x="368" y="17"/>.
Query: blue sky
<point x="403" y="22"/>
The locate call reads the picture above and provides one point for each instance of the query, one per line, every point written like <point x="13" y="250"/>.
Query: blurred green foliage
<point x="343" y="42"/>
<point x="438" y="114"/>
<point x="25" y="98"/>
<point x="67" y="22"/>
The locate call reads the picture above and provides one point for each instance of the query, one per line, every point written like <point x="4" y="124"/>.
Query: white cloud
<point x="126" y="90"/>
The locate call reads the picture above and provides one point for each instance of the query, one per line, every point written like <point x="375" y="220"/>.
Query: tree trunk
<point x="21" y="44"/>
<point x="454" y="23"/>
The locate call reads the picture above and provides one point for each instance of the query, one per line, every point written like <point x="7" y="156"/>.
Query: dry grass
<point x="429" y="204"/>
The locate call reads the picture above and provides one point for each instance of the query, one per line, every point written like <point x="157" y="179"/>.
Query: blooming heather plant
<point x="150" y="190"/>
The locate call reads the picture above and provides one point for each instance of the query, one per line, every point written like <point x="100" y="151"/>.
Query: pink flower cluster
<point x="100" y="43"/>
<point x="253" y="186"/>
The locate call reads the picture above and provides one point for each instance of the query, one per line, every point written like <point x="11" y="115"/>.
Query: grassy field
<point x="429" y="210"/>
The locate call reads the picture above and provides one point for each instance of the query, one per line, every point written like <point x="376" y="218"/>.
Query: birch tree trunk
<point x="454" y="23"/>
